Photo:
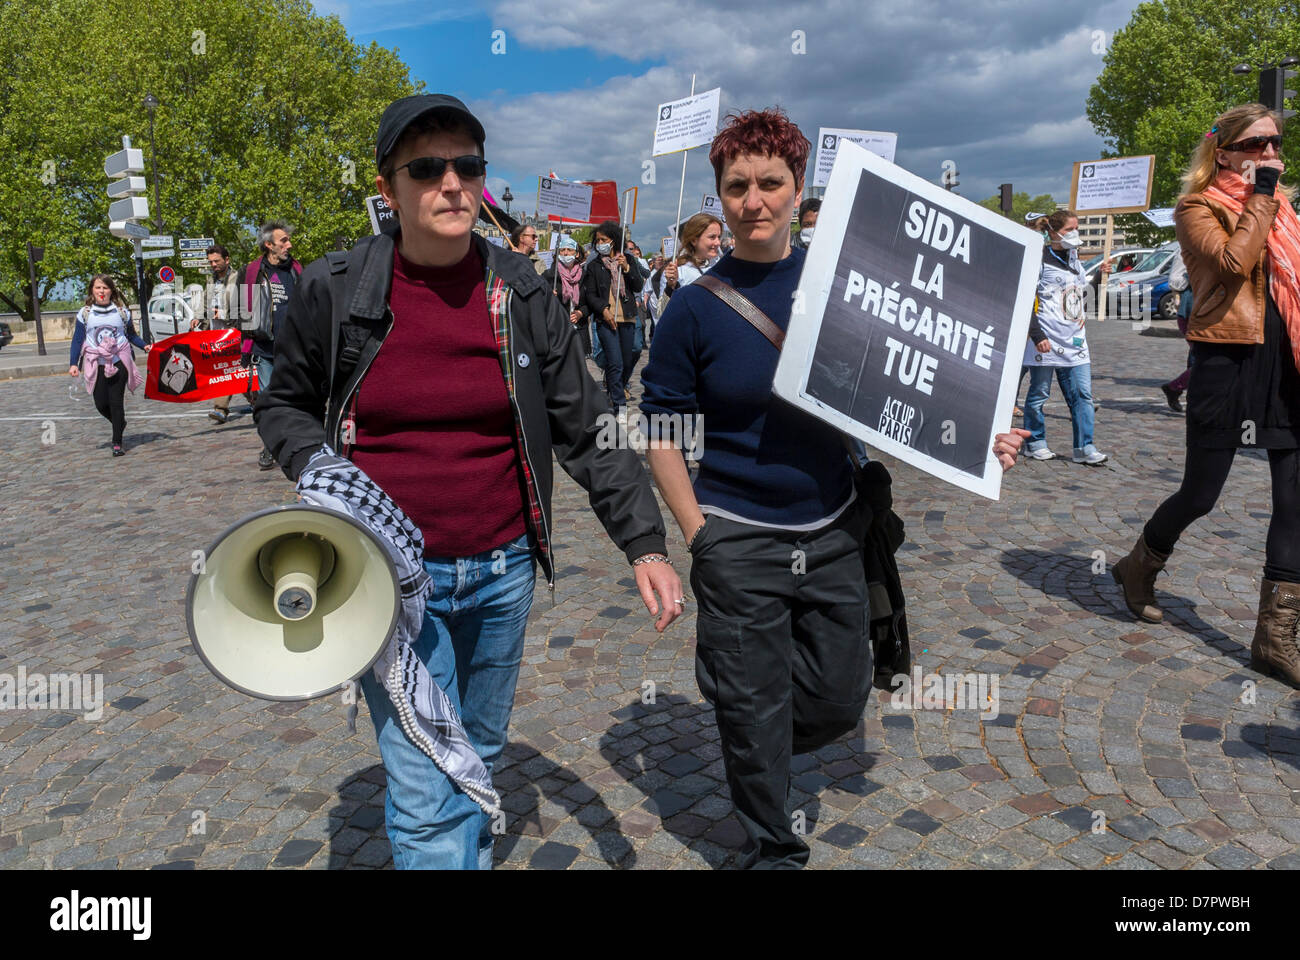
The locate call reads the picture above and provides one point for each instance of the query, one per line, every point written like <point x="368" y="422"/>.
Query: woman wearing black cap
<point x="456" y="375"/>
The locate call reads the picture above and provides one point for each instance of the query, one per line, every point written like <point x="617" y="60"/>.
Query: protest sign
<point x="197" y="366"/>
<point x="1160" y="216"/>
<point x="686" y="123"/>
<point x="828" y="144"/>
<point x="560" y="199"/>
<point x="910" y="320"/>
<point x="670" y="247"/>
<point x="547" y="257"/>
<point x="382" y="217"/>
<point x="1119" y="185"/>
<point x="712" y="206"/>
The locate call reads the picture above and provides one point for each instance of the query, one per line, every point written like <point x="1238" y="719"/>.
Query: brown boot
<point x="1274" y="651"/>
<point x="1136" y="575"/>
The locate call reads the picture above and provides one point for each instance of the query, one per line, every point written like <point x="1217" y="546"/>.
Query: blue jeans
<point x="1076" y="386"/>
<point x="264" y="368"/>
<point x="620" y="359"/>
<point x="472" y="642"/>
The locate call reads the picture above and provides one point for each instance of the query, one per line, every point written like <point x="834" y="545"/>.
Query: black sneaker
<point x="218" y="415"/>
<point x="265" y="461"/>
<point x="1172" y="397"/>
<point x="118" y="451"/>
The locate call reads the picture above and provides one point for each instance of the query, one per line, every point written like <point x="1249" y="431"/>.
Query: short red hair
<point x="762" y="133"/>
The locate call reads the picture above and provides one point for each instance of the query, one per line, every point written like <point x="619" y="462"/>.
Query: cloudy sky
<point x="996" y="86"/>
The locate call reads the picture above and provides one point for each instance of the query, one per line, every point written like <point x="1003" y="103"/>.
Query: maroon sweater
<point x="433" y="422"/>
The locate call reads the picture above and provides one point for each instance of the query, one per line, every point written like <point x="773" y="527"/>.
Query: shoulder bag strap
<point x="745" y="307"/>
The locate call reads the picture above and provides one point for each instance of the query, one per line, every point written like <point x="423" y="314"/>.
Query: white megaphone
<point x="293" y="602"/>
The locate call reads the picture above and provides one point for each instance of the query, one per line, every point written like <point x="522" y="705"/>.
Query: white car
<point x="170" y="312"/>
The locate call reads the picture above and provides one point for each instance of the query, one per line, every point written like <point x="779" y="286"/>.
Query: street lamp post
<point x="1273" y="80"/>
<point x="151" y="104"/>
<point x="506" y="198"/>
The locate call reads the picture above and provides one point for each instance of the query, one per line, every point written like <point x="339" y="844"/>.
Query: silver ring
<point x="679" y="601"/>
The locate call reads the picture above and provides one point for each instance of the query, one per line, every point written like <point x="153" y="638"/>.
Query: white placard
<point x="712" y="206"/>
<point x="828" y="144"/>
<point x="683" y="124"/>
<point x="547" y="257"/>
<point x="1121" y="185"/>
<point x="1160" y="216"/>
<point x="910" y="320"/>
<point x="563" y="199"/>
<point x="670" y="247"/>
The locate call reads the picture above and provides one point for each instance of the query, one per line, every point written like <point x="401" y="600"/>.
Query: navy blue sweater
<point x="762" y="459"/>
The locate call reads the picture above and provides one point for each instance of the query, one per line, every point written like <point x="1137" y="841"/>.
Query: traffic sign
<point x="194" y="263"/>
<point x="124" y="162"/>
<point x="195" y="244"/>
<point x="128" y="231"/>
<point x="166" y="274"/>
<point x="129" y="208"/>
<point x="157" y="241"/>
<point x="157" y="254"/>
<point x="126" y="187"/>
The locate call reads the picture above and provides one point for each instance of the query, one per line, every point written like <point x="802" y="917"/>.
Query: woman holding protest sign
<point x="699" y="242"/>
<point x="773" y="522"/>
<point x="1240" y="242"/>
<point x="1057" y="341"/>
<point x="101" y="352"/>
<point x="564" y="277"/>
<point x="609" y="285"/>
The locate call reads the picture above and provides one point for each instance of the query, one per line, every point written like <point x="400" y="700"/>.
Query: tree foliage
<point x="1167" y="75"/>
<point x="267" y="110"/>
<point x="1022" y="204"/>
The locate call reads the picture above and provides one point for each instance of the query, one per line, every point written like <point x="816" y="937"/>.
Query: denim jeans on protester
<point x="472" y="642"/>
<point x="264" y="368"/>
<point x="1076" y="386"/>
<point x="620" y="359"/>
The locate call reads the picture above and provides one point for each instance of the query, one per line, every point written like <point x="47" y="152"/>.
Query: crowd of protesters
<point x="481" y="375"/>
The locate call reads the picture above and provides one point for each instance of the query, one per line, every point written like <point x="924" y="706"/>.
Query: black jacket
<point x="550" y="281"/>
<point x="555" y="402"/>
<point x="595" y="289"/>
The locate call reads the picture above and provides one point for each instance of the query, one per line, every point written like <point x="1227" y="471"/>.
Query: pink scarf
<point x="570" y="277"/>
<point x="93" y="356"/>
<point x="1231" y="190"/>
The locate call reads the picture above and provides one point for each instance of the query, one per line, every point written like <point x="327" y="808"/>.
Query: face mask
<point x="1071" y="240"/>
<point x="567" y="258"/>
<point x="806" y="235"/>
<point x="602" y="249"/>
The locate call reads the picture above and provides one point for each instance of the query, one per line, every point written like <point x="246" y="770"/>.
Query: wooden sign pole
<point x="1105" y="277"/>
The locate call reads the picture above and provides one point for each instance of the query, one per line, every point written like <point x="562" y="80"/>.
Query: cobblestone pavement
<point x="1159" y="736"/>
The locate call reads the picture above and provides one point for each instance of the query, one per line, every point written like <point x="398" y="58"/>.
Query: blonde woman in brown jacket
<point x="1241" y="243"/>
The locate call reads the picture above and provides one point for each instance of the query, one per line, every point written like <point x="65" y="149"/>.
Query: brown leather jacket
<point x="1224" y="254"/>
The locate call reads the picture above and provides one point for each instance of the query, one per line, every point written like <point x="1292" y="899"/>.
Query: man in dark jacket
<point x="266" y="286"/>
<point x="442" y="367"/>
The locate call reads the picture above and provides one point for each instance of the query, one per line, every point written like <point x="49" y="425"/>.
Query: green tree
<point x="1167" y="75"/>
<point x="267" y="110"/>
<point x="1022" y="204"/>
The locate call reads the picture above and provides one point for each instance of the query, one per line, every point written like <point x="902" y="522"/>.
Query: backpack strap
<point x="338" y="263"/>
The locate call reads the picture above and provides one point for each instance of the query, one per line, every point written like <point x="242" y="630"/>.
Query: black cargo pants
<point x="783" y="653"/>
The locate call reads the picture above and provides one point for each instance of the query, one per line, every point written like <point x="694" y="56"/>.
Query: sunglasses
<point x="431" y="168"/>
<point x="1255" y="144"/>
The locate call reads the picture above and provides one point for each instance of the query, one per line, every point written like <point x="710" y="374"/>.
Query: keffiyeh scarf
<point x="427" y="716"/>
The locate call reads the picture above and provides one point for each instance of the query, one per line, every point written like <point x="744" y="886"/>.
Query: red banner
<point x="604" y="204"/>
<point x="197" y="366"/>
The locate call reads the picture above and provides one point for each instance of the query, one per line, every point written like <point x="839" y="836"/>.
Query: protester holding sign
<point x="1057" y="341"/>
<point x="101" y="353"/>
<point x="609" y="286"/>
<point x="1241" y="244"/>
<point x="773" y="523"/>
<point x="564" y="277"/>
<point x="698" y="244"/>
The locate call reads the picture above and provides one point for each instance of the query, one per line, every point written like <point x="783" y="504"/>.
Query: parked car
<point x="170" y="312"/>
<point x="1117" y="260"/>
<point x="6" y="335"/>
<point x="1164" y="300"/>
<point x="1132" y="289"/>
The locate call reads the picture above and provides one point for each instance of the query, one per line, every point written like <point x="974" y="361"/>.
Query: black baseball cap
<point x="400" y="114"/>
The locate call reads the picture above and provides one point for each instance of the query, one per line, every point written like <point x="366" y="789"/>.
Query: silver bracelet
<point x="651" y="558"/>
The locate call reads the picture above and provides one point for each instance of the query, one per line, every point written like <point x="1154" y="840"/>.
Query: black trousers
<point x="783" y="653"/>
<point x="109" y="396"/>
<point x="1204" y="475"/>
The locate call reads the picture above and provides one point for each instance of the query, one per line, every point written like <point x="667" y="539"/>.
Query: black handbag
<point x="891" y="648"/>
